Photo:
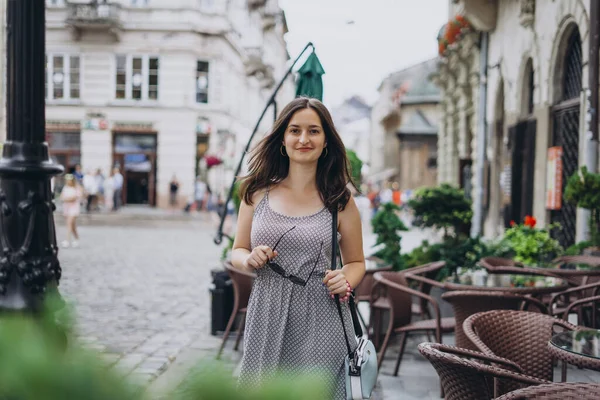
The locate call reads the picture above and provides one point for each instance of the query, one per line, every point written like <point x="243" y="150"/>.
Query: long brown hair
<point x="267" y="166"/>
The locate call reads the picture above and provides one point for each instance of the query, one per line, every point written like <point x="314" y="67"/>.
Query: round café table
<point x="580" y="348"/>
<point x="502" y="282"/>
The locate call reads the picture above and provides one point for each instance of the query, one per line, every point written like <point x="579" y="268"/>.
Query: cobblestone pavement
<point x="141" y="293"/>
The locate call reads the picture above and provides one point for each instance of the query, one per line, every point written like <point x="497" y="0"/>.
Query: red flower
<point x="441" y="48"/>
<point x="530" y="221"/>
<point x="513" y="223"/>
<point x="462" y="21"/>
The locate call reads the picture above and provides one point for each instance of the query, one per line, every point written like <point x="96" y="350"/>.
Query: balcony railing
<point x="94" y="16"/>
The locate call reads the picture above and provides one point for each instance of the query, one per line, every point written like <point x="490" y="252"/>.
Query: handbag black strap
<point x="351" y="303"/>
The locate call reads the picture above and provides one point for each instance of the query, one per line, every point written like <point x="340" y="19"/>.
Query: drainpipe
<point x="591" y="155"/>
<point x="591" y="136"/>
<point x="477" y="223"/>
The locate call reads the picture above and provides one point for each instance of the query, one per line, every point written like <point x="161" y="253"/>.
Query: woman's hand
<point x="259" y="257"/>
<point x="336" y="282"/>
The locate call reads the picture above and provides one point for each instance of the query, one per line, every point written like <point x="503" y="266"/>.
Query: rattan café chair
<point x="463" y="378"/>
<point x="556" y="391"/>
<point x="519" y="336"/>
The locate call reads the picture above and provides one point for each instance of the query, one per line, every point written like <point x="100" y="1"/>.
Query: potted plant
<point x="583" y="190"/>
<point x="530" y="245"/>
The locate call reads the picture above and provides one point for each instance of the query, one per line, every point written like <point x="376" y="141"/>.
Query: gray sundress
<point x="293" y="329"/>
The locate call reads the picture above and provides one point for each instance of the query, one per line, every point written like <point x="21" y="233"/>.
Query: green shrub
<point x="444" y="208"/>
<point x="386" y="225"/>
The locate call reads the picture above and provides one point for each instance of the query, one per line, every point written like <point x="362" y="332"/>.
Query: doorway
<point x="522" y="150"/>
<point x="565" y="118"/>
<point x="135" y="155"/>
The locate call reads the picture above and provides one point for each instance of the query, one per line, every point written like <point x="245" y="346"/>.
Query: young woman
<point x="298" y="175"/>
<point x="71" y="198"/>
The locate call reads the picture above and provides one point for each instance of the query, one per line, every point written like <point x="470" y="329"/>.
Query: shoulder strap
<point x="334" y="255"/>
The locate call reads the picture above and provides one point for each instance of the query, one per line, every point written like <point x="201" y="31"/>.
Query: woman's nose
<point x="304" y="137"/>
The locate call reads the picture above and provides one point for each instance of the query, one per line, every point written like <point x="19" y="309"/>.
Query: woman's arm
<point x="242" y="256"/>
<point x="241" y="243"/>
<point x="351" y="247"/>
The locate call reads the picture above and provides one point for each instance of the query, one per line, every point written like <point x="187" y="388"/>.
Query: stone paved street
<point x="141" y="293"/>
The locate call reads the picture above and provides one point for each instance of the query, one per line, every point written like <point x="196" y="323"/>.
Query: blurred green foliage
<point x="355" y="167"/>
<point x="40" y="359"/>
<point x="583" y="190"/>
<point x="386" y="225"/>
<point x="442" y="207"/>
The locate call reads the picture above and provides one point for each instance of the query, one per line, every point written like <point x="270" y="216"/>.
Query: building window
<point x="202" y="82"/>
<point x="63" y="77"/>
<point x="55" y="3"/>
<point x="136" y="77"/>
<point x="139" y="3"/>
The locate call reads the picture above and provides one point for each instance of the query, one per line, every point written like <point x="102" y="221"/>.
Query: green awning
<point x="310" y="83"/>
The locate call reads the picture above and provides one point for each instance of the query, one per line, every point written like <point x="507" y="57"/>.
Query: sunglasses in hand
<point x="292" y="278"/>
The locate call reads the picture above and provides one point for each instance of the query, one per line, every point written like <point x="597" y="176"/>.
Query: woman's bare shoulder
<point x="258" y="196"/>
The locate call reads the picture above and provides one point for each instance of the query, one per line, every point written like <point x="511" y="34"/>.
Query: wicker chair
<point x="519" y="336"/>
<point x="562" y="303"/>
<point x="400" y="321"/>
<point x="556" y="391"/>
<point x="491" y="263"/>
<point x="379" y="302"/>
<point x="463" y="378"/>
<point x="363" y="291"/>
<point x="468" y="302"/>
<point x="242" y="287"/>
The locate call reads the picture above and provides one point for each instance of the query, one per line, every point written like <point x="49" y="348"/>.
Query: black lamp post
<point x="29" y="267"/>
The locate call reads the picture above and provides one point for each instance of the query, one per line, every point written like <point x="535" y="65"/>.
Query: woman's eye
<point x="293" y="130"/>
<point x="314" y="131"/>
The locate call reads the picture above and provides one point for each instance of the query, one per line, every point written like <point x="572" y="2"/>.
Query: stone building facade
<point x="161" y="88"/>
<point x="404" y="128"/>
<point x="537" y="80"/>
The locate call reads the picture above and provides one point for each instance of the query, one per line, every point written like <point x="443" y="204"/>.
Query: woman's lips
<point x="304" y="149"/>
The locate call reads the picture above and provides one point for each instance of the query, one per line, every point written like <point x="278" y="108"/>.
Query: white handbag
<point x="360" y="365"/>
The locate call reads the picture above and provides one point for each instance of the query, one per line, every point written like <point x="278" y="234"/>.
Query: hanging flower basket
<point x="212" y="161"/>
<point x="452" y="32"/>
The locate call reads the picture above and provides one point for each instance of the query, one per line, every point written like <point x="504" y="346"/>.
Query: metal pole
<point x="477" y="225"/>
<point x="591" y="156"/>
<point x="29" y="266"/>
<point x="219" y="237"/>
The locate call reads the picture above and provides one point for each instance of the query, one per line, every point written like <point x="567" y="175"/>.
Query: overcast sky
<point x="360" y="42"/>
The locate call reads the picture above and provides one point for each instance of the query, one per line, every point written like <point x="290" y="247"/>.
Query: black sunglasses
<point x="292" y="278"/>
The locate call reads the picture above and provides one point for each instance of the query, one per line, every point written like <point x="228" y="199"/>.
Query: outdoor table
<point x="580" y="348"/>
<point x="501" y="282"/>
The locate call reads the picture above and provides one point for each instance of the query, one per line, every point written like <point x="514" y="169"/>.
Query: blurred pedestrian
<point x="91" y="187"/>
<point x="173" y="190"/>
<point x="78" y="174"/>
<point x="200" y="193"/>
<point x="71" y="197"/>
<point x="109" y="192"/>
<point x="117" y="180"/>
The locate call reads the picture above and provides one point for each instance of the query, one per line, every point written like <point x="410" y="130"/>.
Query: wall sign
<point x="554" y="181"/>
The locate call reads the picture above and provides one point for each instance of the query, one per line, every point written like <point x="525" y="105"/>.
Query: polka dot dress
<point x="293" y="329"/>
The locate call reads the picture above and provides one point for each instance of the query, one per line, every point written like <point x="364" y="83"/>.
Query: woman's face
<point x="304" y="138"/>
